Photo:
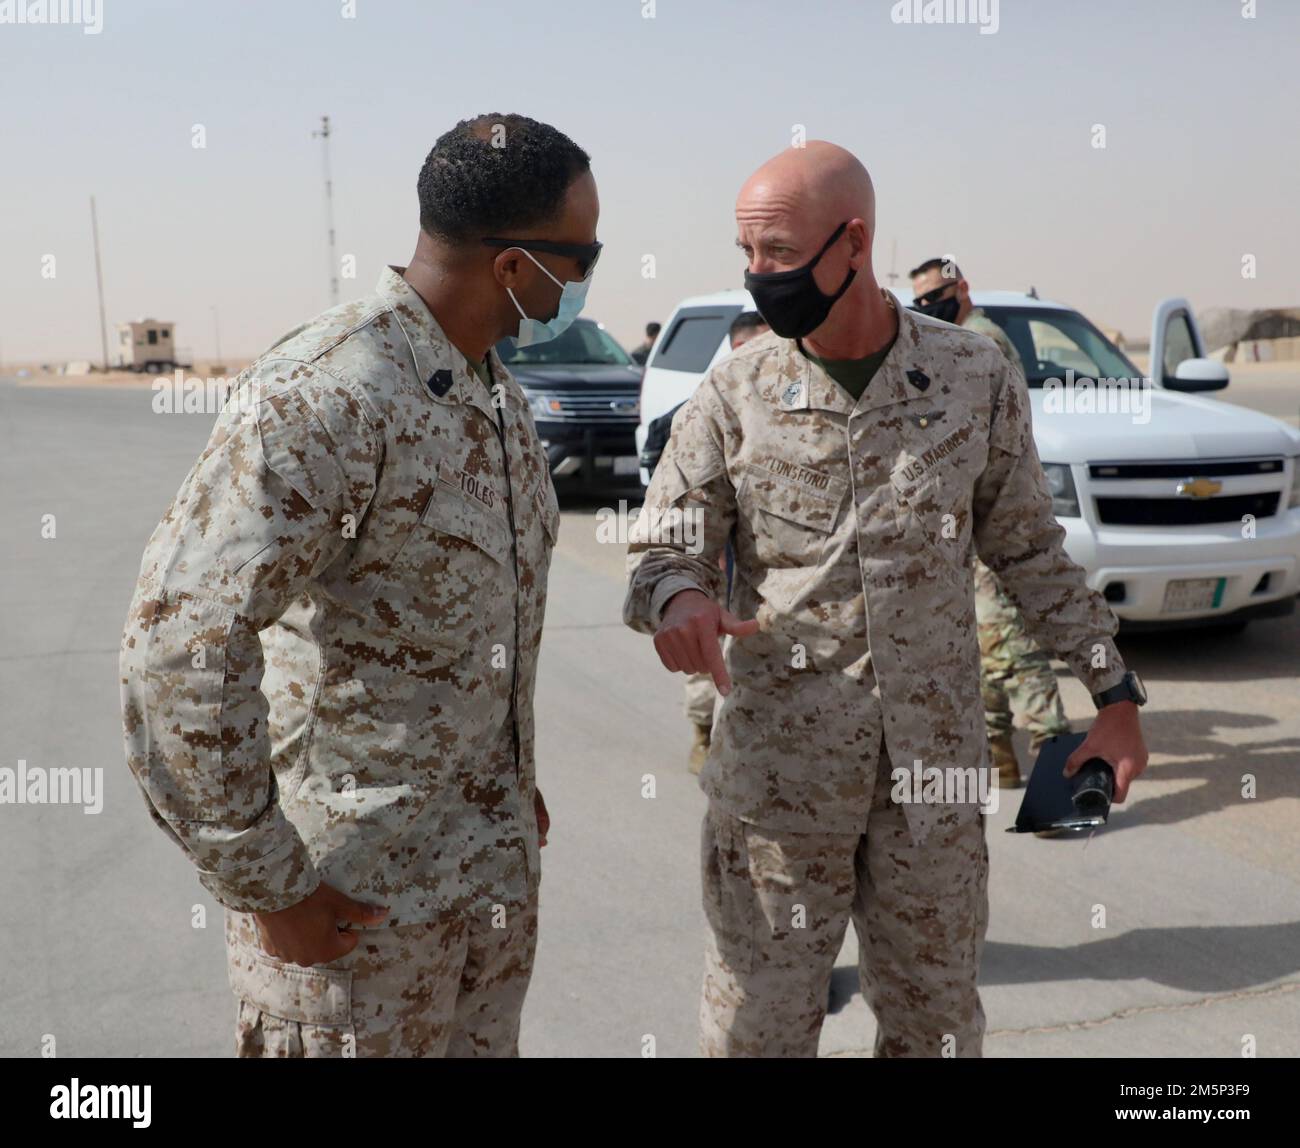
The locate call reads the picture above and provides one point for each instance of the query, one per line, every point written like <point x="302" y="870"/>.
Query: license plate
<point x="627" y="464"/>
<point x="1193" y="594"/>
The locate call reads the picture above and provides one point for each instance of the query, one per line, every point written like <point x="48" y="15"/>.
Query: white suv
<point x="1182" y="510"/>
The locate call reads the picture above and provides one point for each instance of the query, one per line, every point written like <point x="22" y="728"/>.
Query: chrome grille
<point x="1210" y="468"/>
<point x="1186" y="492"/>
<point x="596" y="407"/>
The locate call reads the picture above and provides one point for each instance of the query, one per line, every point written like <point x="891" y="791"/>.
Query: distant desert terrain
<point x="38" y="377"/>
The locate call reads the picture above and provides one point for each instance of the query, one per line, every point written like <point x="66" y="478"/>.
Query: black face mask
<point x="944" y="310"/>
<point x="791" y="301"/>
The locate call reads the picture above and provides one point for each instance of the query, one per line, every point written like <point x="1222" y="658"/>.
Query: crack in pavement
<point x="1121" y="1014"/>
<point x="1139" y="1010"/>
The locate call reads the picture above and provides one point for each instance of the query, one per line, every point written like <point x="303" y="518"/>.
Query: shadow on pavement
<point x="1188" y="735"/>
<point x="1210" y="958"/>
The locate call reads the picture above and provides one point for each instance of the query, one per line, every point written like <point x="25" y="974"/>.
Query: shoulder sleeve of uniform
<point x="318" y="437"/>
<point x="287" y="470"/>
<point x="696" y="438"/>
<point x="1009" y="352"/>
<point x="261" y="513"/>
<point x="1018" y="538"/>
<point x="688" y="514"/>
<point x="983" y="325"/>
<point x="1011" y="428"/>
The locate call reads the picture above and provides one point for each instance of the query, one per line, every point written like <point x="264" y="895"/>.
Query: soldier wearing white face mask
<point x="361" y="556"/>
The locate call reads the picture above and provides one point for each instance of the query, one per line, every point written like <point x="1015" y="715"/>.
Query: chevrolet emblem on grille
<point x="1199" y="487"/>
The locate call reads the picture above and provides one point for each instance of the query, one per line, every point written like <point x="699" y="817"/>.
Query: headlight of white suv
<point x="1065" y="501"/>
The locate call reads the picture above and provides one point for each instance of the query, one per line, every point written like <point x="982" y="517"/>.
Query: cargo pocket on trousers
<point x="728" y="890"/>
<point x="291" y="1011"/>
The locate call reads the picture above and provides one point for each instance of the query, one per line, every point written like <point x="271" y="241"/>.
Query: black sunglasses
<point x="583" y="254"/>
<point x="933" y="295"/>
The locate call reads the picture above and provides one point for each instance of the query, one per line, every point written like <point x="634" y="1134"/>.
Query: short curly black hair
<point x="494" y="173"/>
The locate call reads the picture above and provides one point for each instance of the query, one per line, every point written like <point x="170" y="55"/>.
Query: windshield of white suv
<point x="1050" y="342"/>
<point x="585" y="342"/>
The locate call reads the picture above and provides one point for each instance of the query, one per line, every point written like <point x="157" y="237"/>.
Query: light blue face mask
<point x="572" y="297"/>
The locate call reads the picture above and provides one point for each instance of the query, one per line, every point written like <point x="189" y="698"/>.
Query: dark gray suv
<point x="584" y="391"/>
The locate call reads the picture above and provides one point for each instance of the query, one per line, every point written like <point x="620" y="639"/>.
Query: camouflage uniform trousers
<point x="701" y="694"/>
<point x="920" y="912"/>
<point x="1013" y="670"/>
<point x="444" y="988"/>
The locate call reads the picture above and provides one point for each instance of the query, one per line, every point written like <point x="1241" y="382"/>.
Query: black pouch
<point x="1054" y="802"/>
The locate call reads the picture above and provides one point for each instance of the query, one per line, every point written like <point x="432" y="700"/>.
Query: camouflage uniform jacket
<point x="980" y="323"/>
<point x="327" y="670"/>
<point x="852" y="522"/>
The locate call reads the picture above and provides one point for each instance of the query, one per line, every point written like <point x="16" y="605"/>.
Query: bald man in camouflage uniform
<point x="852" y="651"/>
<point x="1013" y="670"/>
<point x="328" y="667"/>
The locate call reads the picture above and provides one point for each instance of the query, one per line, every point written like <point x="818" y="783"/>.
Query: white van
<point x="1187" y="516"/>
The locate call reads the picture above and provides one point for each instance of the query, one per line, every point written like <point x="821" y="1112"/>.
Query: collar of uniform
<point x="501" y="393"/>
<point x="903" y="375"/>
<point x="806" y="386"/>
<point x="513" y="394"/>
<point x="432" y="349"/>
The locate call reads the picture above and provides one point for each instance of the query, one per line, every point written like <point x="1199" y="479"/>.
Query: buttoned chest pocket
<point x="452" y="575"/>
<point x="790" y="524"/>
<point x="932" y="505"/>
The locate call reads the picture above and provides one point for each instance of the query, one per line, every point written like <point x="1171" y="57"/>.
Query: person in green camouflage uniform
<point x="1014" y="672"/>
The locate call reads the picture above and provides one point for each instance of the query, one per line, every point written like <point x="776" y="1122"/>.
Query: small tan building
<point x="148" y="345"/>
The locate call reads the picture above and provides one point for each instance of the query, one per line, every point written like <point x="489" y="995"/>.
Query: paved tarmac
<point x="98" y="944"/>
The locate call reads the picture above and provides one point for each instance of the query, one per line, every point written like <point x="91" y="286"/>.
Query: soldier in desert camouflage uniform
<point x="854" y="501"/>
<point x="1012" y="667"/>
<point x="328" y="666"/>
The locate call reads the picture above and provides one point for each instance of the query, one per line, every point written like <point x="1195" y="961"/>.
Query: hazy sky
<point x="979" y="144"/>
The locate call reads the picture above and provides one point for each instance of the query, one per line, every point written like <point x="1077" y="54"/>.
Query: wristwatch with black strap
<point x="1128" y="689"/>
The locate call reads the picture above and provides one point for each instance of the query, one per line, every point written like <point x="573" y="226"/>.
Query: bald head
<point x="820" y="182"/>
<point x="809" y="200"/>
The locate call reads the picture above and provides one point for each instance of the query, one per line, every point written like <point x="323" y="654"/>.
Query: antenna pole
<point x="99" y="284"/>
<point x="324" y="135"/>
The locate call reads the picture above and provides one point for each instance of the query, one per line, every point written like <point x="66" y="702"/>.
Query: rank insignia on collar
<point x="918" y="378"/>
<point x="791" y="394"/>
<point x="440" y="382"/>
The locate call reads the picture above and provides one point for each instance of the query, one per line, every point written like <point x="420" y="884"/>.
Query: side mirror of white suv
<point x="1178" y="359"/>
<point x="1199" y="375"/>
